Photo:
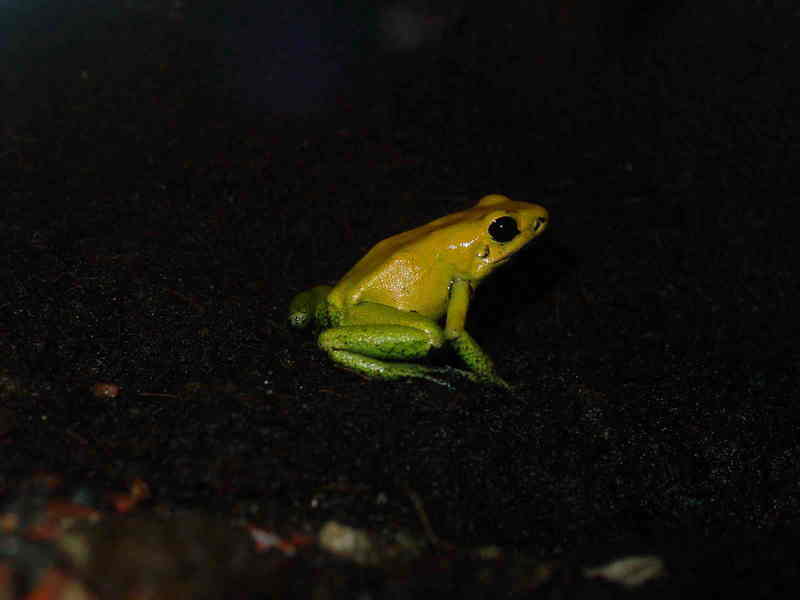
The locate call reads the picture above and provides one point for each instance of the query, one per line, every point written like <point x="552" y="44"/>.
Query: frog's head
<point x="505" y="226"/>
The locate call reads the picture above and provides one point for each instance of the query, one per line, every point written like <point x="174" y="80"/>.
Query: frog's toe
<point x="299" y="319"/>
<point x="495" y="381"/>
<point x="437" y="374"/>
<point x="502" y="383"/>
<point x="486" y="379"/>
<point x="438" y="380"/>
<point x="450" y="372"/>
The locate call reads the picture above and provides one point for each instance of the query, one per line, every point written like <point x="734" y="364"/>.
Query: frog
<point x="385" y="314"/>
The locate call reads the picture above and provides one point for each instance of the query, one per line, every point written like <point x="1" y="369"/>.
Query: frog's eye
<point x="503" y="229"/>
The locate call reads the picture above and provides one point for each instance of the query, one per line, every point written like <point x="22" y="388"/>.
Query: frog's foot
<point x="305" y="307"/>
<point x="374" y="368"/>
<point x="490" y="379"/>
<point x="482" y="378"/>
<point x="481" y="366"/>
<point x="497" y="381"/>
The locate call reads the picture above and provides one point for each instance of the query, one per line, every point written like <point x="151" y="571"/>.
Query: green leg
<point x="476" y="359"/>
<point x="381" y="369"/>
<point x="362" y="348"/>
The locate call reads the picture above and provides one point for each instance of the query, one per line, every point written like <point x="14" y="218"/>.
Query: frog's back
<point x="412" y="271"/>
<point x="401" y="271"/>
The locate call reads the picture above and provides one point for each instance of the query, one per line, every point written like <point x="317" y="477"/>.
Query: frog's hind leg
<point x="305" y="307"/>
<point x="374" y="368"/>
<point x="396" y="342"/>
<point x="363" y="348"/>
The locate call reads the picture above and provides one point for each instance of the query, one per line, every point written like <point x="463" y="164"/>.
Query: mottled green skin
<point x="476" y="359"/>
<point x="373" y="348"/>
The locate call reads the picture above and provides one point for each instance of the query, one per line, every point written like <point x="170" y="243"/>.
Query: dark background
<point x="172" y="173"/>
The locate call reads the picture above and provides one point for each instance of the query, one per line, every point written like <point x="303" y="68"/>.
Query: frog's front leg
<point x="462" y="342"/>
<point x="372" y="336"/>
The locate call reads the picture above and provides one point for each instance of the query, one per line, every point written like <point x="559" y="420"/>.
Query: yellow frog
<point x="387" y="307"/>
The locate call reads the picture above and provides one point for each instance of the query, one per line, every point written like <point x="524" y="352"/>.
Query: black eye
<point x="503" y="229"/>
